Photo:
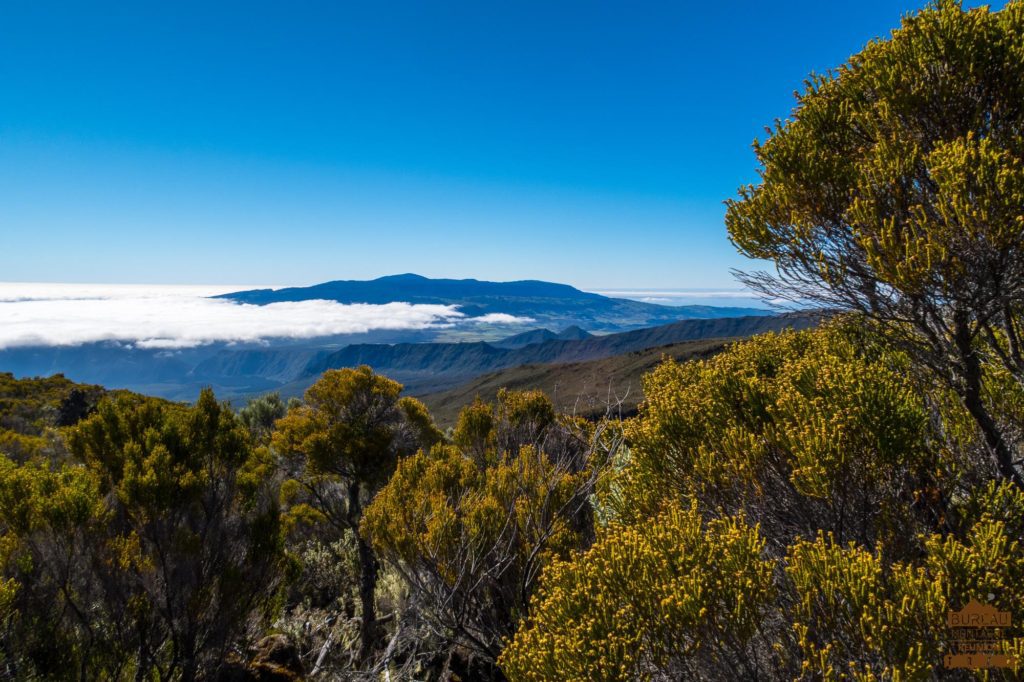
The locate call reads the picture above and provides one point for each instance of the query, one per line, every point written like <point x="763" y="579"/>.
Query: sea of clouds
<point x="165" y="316"/>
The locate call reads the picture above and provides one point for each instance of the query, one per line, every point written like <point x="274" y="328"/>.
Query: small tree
<point x="260" y="414"/>
<point x="345" y="441"/>
<point x="157" y="555"/>
<point x="470" y="526"/>
<point x="896" y="189"/>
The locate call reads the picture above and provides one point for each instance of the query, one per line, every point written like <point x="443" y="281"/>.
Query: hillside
<point x="30" y="409"/>
<point x="533" y="336"/>
<point x="586" y="388"/>
<point x="430" y="367"/>
<point x="429" y="358"/>
<point x="425" y="366"/>
<point x="547" y="303"/>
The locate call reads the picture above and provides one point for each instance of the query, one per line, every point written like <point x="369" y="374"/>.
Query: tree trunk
<point x="367" y="578"/>
<point x="1001" y="454"/>
<point x="999" y="450"/>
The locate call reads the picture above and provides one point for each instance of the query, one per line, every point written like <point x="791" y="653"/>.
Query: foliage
<point x="861" y="616"/>
<point x="804" y="505"/>
<point x="872" y="524"/>
<point x="896" y="189"/>
<point x="31" y="411"/>
<point x="856" y="616"/>
<point x="469" y="526"/>
<point x="672" y="598"/>
<point x="342" y="444"/>
<point x="152" y="556"/>
<point x="259" y="415"/>
<point x="44" y="513"/>
<point x="353" y="426"/>
<point x="801" y="431"/>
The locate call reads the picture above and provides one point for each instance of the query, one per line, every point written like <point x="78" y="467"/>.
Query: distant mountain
<point x="533" y="336"/>
<point x="573" y="333"/>
<point x="525" y="339"/>
<point x="551" y="305"/>
<point x="427" y="367"/>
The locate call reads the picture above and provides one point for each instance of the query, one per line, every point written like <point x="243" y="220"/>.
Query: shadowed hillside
<point x="430" y="367"/>
<point x="588" y="388"/>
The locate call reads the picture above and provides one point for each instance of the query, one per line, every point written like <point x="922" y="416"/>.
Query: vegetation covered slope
<point x="31" y="410"/>
<point x="798" y="503"/>
<point x="589" y="389"/>
<point x="799" y="506"/>
<point x="428" y="367"/>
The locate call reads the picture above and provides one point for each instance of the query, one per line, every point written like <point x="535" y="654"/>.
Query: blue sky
<point x="294" y="142"/>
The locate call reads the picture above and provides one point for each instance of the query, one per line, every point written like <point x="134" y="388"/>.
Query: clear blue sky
<point x="293" y="142"/>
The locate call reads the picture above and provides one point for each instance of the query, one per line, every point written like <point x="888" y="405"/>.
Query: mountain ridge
<point x="528" y="338"/>
<point x="437" y="366"/>
<point x="589" y="388"/>
<point x="422" y="366"/>
<point x="549" y="304"/>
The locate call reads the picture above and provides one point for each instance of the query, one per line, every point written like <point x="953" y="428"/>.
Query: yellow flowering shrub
<point x="473" y="538"/>
<point x="470" y="525"/>
<point x="873" y="521"/>
<point x="800" y="430"/>
<point x="860" y="617"/>
<point x="666" y="599"/>
<point x="854" y="619"/>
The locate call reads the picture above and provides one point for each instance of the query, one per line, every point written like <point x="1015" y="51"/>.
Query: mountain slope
<point x="533" y="336"/>
<point x="555" y="305"/>
<point x="525" y="339"/>
<point x="423" y="367"/>
<point x="275" y="364"/>
<point x="431" y="367"/>
<point x="573" y="333"/>
<point x="585" y="388"/>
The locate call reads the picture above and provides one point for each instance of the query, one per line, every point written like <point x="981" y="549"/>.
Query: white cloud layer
<point x="500" y="318"/>
<point x="154" y="316"/>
